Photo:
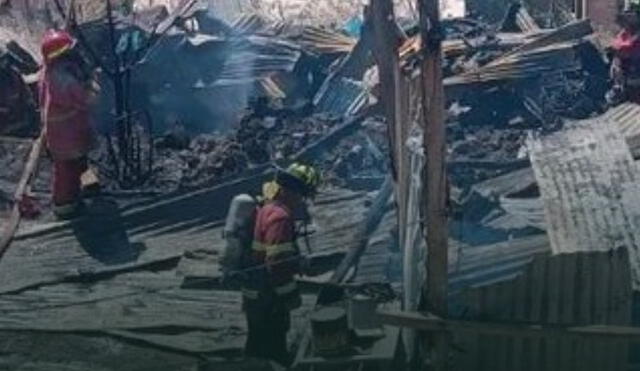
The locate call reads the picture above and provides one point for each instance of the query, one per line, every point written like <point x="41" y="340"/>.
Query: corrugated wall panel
<point x="576" y="289"/>
<point x="589" y="186"/>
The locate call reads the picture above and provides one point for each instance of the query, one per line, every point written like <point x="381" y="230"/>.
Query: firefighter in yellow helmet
<point x="270" y="291"/>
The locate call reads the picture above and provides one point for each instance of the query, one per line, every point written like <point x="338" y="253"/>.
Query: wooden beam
<point x="23" y="187"/>
<point x="381" y="27"/>
<point x="374" y="216"/>
<point x="435" y="189"/>
<point x="432" y="323"/>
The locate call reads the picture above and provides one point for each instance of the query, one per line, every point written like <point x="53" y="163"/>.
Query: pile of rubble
<point x="256" y="91"/>
<point x="184" y="160"/>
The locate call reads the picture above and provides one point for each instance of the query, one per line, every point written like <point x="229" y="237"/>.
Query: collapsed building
<point x="535" y="207"/>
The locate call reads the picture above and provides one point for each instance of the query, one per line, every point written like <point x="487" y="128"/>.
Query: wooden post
<point x="380" y="25"/>
<point x="579" y="9"/>
<point x="386" y="38"/>
<point x="435" y="178"/>
<point x="23" y="188"/>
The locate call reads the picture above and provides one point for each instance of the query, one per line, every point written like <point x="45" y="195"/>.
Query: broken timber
<point x="22" y="189"/>
<point x="428" y="322"/>
<point x="361" y="237"/>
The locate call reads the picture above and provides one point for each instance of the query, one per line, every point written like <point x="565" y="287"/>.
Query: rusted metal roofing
<point x="590" y="189"/>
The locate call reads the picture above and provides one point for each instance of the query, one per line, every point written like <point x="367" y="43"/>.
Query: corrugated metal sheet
<point x="520" y="213"/>
<point x="570" y="290"/>
<point x="590" y="189"/>
<point x="312" y="39"/>
<point x="341" y="96"/>
<point x="627" y="117"/>
<point x="483" y="265"/>
<point x="256" y="57"/>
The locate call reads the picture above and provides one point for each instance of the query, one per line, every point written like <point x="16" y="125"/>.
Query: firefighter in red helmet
<point x="625" y="69"/>
<point x="66" y="95"/>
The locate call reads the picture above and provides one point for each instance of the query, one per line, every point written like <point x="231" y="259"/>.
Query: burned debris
<point x="198" y="102"/>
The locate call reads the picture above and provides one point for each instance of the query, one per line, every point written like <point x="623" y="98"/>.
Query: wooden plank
<point x="21" y="190"/>
<point x="196" y="342"/>
<point x="427" y="322"/>
<point x="436" y="185"/>
<point x="380" y="25"/>
<point x="361" y="236"/>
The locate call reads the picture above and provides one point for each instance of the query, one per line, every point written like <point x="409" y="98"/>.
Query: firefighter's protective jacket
<point x="627" y="49"/>
<point x="64" y="102"/>
<point x="275" y="252"/>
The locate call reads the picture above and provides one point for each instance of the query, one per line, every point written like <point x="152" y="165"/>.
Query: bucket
<point x="330" y="331"/>
<point x="362" y="313"/>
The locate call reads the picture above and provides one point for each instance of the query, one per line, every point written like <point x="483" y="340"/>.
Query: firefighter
<point x="625" y="69"/>
<point x="270" y="292"/>
<point x="65" y="98"/>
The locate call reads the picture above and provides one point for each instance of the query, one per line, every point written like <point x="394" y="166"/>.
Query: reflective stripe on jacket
<point x="274" y="248"/>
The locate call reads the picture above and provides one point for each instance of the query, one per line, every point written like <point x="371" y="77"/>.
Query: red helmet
<point x="55" y="43"/>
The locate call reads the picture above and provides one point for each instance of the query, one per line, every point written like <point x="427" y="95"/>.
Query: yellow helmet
<point x="300" y="178"/>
